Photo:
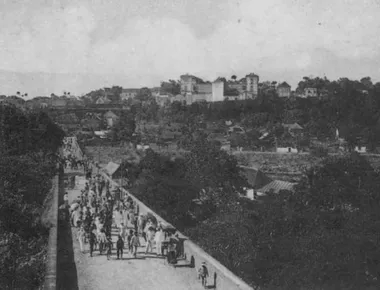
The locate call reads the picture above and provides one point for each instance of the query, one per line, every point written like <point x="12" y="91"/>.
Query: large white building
<point x="217" y="91"/>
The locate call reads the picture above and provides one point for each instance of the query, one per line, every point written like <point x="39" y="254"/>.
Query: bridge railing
<point x="50" y="282"/>
<point x="222" y="278"/>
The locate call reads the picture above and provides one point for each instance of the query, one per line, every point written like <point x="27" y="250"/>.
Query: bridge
<point x="74" y="269"/>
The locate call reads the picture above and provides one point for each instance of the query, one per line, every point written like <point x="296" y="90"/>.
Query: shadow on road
<point x="67" y="277"/>
<point x="67" y="270"/>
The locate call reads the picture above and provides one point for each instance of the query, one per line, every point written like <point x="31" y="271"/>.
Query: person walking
<point x="119" y="247"/>
<point x="129" y="238"/>
<point x="159" y="239"/>
<point x="66" y="199"/>
<point x="122" y="231"/>
<point x="109" y="247"/>
<point x="102" y="240"/>
<point x="135" y="242"/>
<point x="135" y="224"/>
<point x="203" y="274"/>
<point x="92" y="241"/>
<point x="81" y="237"/>
<point x="149" y="239"/>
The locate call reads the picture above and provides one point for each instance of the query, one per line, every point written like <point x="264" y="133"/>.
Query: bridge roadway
<point x="143" y="273"/>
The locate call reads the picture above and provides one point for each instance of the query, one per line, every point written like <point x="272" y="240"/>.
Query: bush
<point x="320" y="152"/>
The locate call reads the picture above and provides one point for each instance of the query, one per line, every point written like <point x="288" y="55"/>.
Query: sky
<point x="51" y="46"/>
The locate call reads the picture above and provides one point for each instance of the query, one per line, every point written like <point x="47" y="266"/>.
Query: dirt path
<point x="145" y="272"/>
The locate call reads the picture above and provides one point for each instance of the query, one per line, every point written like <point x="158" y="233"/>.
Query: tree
<point x="171" y="87"/>
<point x="214" y="171"/>
<point x="144" y="95"/>
<point x="304" y="238"/>
<point x="367" y="82"/>
<point x="124" y="128"/>
<point x="26" y="169"/>
<point x="234" y="77"/>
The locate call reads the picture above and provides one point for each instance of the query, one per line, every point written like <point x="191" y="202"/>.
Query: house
<point x="205" y="88"/>
<point x="360" y="149"/>
<point x="194" y="98"/>
<point x="58" y="103"/>
<point x="44" y="105"/>
<point x="260" y="184"/>
<point x="179" y="98"/>
<point x="294" y="129"/>
<point x="236" y="129"/>
<point x="239" y="86"/>
<point x="232" y="98"/>
<point x="111" y="118"/>
<point x="103" y="101"/>
<point x="310" y="93"/>
<point x="127" y="94"/>
<point x="189" y="84"/>
<point x="226" y="145"/>
<point x="163" y="99"/>
<point x="288" y="149"/>
<point x="113" y="170"/>
<point x="156" y="91"/>
<point x="101" y="134"/>
<point x="284" y="90"/>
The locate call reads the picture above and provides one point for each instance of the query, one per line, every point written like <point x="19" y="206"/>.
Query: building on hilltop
<point x="205" y="88"/>
<point x="252" y="86"/>
<point x="103" y="101"/>
<point x="217" y="91"/>
<point x="164" y="99"/>
<point x="284" y="90"/>
<point x="246" y="88"/>
<point x="310" y="93"/>
<point x="58" y="103"/>
<point x="189" y="84"/>
<point x="127" y="94"/>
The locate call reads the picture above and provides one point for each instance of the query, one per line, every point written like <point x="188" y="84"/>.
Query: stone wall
<point x="51" y="261"/>
<point x="220" y="276"/>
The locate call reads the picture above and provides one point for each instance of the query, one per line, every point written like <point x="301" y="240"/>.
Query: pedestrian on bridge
<point x="119" y="247"/>
<point x="66" y="199"/>
<point x="109" y="248"/>
<point x="92" y="241"/>
<point x="135" y="242"/>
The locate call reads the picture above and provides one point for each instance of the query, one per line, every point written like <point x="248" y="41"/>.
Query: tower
<point x="252" y="88"/>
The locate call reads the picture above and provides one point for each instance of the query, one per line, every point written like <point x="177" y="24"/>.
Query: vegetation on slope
<point x="27" y="164"/>
<point x="322" y="236"/>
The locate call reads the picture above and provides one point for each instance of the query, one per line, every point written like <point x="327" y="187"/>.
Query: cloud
<point x="272" y="38"/>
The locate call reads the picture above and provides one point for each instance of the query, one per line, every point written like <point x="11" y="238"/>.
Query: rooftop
<point x="284" y="85"/>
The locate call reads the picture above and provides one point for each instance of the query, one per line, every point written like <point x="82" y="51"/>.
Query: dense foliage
<point x="29" y="142"/>
<point x="170" y="185"/>
<point x="321" y="236"/>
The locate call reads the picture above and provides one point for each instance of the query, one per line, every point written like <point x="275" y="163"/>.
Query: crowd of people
<point x="100" y="210"/>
